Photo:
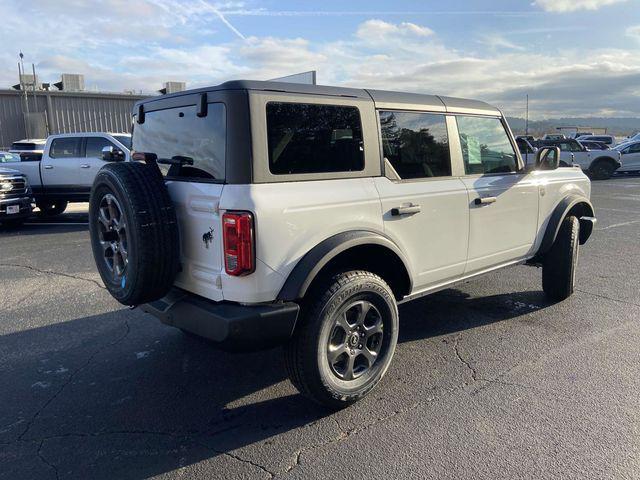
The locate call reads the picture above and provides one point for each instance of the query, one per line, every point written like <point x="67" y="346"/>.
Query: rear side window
<point x="95" y="145"/>
<point x="416" y="144"/>
<point x="485" y="146"/>
<point x="187" y="146"/>
<point x="313" y="138"/>
<point x="65" y="147"/>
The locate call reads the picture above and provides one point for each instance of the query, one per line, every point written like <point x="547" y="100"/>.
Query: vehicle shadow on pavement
<point x="120" y="395"/>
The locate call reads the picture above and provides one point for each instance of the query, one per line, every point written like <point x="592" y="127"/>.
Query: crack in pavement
<point x="461" y="359"/>
<point x="70" y="379"/>
<point x="51" y="272"/>
<point x="607" y="298"/>
<point x="46" y="462"/>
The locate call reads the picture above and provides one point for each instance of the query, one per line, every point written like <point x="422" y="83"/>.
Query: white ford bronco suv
<point x="258" y="214"/>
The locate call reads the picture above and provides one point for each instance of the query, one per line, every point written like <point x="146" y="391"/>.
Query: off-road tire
<point x="307" y="365"/>
<point x="601" y="169"/>
<point x="51" y="208"/>
<point x="559" y="264"/>
<point x="151" y="236"/>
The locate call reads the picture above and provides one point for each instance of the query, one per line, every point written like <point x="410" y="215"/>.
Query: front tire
<point x="559" y="264"/>
<point x="601" y="170"/>
<point x="50" y="208"/>
<point x="346" y="340"/>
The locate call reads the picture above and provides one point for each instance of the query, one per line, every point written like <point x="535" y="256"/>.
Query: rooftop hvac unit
<point x="27" y="81"/>
<point x="71" y="82"/>
<point x="173" y="87"/>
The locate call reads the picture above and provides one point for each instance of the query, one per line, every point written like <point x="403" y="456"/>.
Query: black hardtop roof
<point x="381" y="98"/>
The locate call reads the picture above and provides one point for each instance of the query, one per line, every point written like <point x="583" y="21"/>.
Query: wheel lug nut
<point x="360" y="346"/>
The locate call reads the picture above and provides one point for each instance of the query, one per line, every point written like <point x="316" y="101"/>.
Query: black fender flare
<point x="306" y="270"/>
<point x="574" y="204"/>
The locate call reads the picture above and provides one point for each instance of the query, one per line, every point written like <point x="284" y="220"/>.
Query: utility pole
<point x="526" y="122"/>
<point x="24" y="91"/>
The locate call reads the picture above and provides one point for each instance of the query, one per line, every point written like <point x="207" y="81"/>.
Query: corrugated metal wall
<point x="62" y="112"/>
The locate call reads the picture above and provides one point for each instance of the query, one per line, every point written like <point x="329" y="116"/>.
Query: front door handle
<point x="485" y="201"/>
<point x="405" y="210"/>
<point x="48" y="167"/>
<point x="85" y="165"/>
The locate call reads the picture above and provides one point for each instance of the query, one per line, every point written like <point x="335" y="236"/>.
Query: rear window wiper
<point x="176" y="160"/>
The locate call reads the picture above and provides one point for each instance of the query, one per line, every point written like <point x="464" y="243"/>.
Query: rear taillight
<point x="237" y="235"/>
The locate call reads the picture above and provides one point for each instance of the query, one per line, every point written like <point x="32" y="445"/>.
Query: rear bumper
<point x="230" y="326"/>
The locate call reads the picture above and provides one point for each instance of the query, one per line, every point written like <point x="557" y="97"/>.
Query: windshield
<point x="6" y="157"/>
<point x="124" y="140"/>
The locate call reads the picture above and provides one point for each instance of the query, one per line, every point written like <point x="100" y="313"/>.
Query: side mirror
<point x="112" y="154"/>
<point x="547" y="158"/>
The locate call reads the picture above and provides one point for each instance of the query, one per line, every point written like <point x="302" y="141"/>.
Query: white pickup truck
<point x="598" y="164"/>
<point x="69" y="165"/>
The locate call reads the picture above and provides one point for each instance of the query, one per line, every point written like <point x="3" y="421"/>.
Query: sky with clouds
<point x="573" y="57"/>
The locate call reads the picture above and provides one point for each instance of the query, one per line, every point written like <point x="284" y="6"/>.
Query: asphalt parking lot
<point x="489" y="380"/>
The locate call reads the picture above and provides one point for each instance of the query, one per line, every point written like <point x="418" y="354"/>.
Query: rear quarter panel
<point x="290" y="219"/>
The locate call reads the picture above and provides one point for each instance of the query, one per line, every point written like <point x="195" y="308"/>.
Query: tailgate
<point x="200" y="240"/>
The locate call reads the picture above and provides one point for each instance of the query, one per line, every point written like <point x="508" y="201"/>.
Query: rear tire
<point x="601" y="170"/>
<point x="345" y="341"/>
<point x="559" y="264"/>
<point x="134" y="232"/>
<point x="51" y="208"/>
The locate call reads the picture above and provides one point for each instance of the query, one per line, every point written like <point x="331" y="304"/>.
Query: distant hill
<point x="619" y="126"/>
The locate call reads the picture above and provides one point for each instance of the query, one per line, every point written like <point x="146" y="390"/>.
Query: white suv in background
<point x="258" y="214"/>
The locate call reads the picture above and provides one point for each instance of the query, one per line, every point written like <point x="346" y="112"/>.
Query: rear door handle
<point x="485" y="200"/>
<point x="48" y="167"/>
<point x="405" y="210"/>
<point x="85" y="165"/>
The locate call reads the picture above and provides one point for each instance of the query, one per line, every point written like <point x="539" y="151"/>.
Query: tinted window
<point x="27" y="146"/>
<point x="635" y="148"/>
<point x="65" y="147"/>
<point x="416" y="144"/>
<point x="124" y="140"/>
<point x="179" y="132"/>
<point x="523" y="146"/>
<point x="95" y="146"/>
<point x="310" y="138"/>
<point x="485" y="146"/>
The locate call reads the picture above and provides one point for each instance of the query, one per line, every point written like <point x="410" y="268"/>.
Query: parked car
<point x="265" y="213"/>
<point x="29" y="149"/>
<point x="68" y="166"/>
<point x="15" y="196"/>
<point x="630" y="156"/>
<point x="599" y="165"/>
<point x="608" y="140"/>
<point x="579" y="134"/>
<point x="591" y="145"/>
<point x="554" y="136"/>
<point x="527" y="151"/>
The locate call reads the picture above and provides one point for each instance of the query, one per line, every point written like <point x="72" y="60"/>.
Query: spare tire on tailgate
<point x="134" y="232"/>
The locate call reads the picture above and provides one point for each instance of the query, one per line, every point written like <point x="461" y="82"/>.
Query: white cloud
<point x="141" y="52"/>
<point x="633" y="32"/>
<point x="380" y="31"/>
<point x="573" y="5"/>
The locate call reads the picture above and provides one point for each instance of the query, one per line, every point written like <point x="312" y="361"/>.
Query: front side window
<point x="313" y="138"/>
<point x="485" y="145"/>
<point x="95" y="145"/>
<point x="416" y="144"/>
<point x="187" y="146"/>
<point x="68" y="147"/>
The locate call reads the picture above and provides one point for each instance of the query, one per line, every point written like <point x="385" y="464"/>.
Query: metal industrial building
<point x="43" y="112"/>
